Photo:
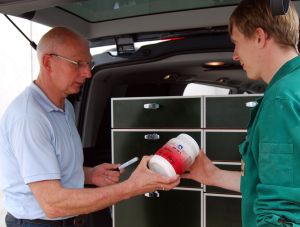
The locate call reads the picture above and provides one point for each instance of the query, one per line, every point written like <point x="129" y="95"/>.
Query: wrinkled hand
<point x="202" y="170"/>
<point x="105" y="174"/>
<point x="144" y="180"/>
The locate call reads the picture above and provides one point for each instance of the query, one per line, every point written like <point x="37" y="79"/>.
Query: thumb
<point x="145" y="159"/>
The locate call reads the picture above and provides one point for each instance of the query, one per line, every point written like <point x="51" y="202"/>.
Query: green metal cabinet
<point x="128" y="144"/>
<point x="140" y="126"/>
<point x="228" y="112"/>
<point x="222" y="210"/>
<point x="157" y="113"/>
<point x="175" y="208"/>
<point x="227" y="166"/>
<point x="227" y="147"/>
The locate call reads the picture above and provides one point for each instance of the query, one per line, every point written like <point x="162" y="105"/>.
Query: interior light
<point x="166" y="77"/>
<point x="214" y="63"/>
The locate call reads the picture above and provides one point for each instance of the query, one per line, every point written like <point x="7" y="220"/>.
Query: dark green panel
<point x="224" y="146"/>
<point x="223" y="211"/>
<point x="211" y="189"/>
<point x="228" y="112"/>
<point x="174" y="208"/>
<point x="172" y="113"/>
<point x="130" y="144"/>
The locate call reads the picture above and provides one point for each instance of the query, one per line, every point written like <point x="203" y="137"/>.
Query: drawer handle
<point x="154" y="194"/>
<point x="153" y="136"/>
<point x="151" y="106"/>
<point x="251" y="104"/>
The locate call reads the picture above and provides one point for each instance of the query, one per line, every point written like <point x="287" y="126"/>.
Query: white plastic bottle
<point x="175" y="156"/>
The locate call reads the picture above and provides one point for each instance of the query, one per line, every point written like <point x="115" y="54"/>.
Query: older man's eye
<point x="83" y="64"/>
<point x="86" y="64"/>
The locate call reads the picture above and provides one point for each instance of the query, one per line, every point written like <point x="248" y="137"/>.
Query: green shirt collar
<point x="288" y="67"/>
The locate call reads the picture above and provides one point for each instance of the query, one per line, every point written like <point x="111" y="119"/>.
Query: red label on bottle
<point x="175" y="156"/>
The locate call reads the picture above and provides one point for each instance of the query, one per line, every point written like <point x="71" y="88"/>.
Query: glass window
<point x="95" y="10"/>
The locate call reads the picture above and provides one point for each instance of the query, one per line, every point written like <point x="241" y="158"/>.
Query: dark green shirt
<point x="271" y="153"/>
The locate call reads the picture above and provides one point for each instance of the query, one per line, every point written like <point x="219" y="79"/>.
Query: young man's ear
<point x="261" y="37"/>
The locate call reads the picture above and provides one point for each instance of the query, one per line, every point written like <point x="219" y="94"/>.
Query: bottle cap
<point x="162" y="166"/>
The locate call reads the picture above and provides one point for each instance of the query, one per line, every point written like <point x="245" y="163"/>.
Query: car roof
<point x="96" y="19"/>
<point x="206" y="20"/>
<point x="140" y="18"/>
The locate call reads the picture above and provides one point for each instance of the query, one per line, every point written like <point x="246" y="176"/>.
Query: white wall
<point x="18" y="64"/>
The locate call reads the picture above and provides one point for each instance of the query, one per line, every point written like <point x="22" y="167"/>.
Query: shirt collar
<point x="288" y="67"/>
<point x="43" y="99"/>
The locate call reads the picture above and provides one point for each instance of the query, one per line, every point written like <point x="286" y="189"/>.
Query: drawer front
<point x="157" y="113"/>
<point x="222" y="211"/>
<point x="212" y="189"/>
<point x="174" y="208"/>
<point x="224" y="145"/>
<point x="228" y="112"/>
<point x="127" y="144"/>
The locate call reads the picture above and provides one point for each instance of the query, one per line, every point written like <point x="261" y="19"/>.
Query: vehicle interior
<point x="193" y="47"/>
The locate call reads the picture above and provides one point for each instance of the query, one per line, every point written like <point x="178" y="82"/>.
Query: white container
<point x="175" y="156"/>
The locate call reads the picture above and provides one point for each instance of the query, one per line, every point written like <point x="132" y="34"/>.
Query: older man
<point x="41" y="158"/>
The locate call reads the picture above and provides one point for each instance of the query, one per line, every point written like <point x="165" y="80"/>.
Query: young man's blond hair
<point x="252" y="14"/>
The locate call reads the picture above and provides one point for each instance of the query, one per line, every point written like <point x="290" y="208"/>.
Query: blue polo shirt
<point x="38" y="141"/>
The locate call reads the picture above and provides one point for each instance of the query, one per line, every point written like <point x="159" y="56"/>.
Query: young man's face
<point x="245" y="52"/>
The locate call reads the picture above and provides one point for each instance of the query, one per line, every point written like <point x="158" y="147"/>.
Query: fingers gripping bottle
<point x="175" y="156"/>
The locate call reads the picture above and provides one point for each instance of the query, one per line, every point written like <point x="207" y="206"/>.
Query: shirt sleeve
<point x="32" y="143"/>
<point x="278" y="163"/>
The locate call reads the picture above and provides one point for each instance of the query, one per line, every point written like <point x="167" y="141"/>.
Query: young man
<point x="266" y="47"/>
<point x="41" y="159"/>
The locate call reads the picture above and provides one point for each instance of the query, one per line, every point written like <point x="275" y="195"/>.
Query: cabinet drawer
<point x="156" y="113"/>
<point x="222" y="211"/>
<point x="227" y="112"/>
<point x="224" y="145"/>
<point x="174" y="208"/>
<point x="127" y="144"/>
<point x="212" y="189"/>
